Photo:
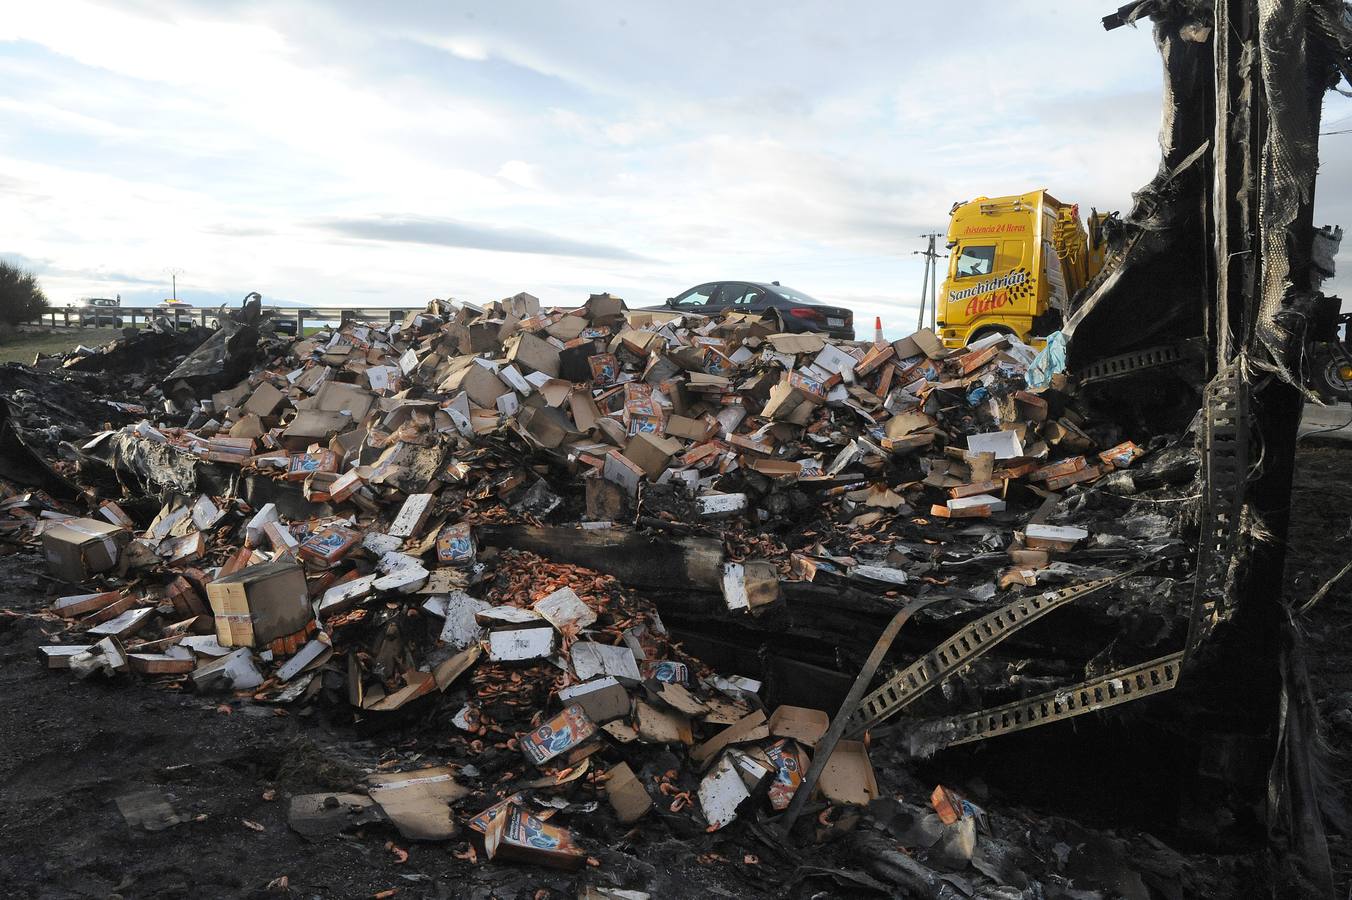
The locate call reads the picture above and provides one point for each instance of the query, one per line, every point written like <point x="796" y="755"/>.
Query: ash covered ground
<point x="69" y="748"/>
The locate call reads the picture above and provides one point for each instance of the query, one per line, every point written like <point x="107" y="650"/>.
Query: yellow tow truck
<point x="1015" y="263"/>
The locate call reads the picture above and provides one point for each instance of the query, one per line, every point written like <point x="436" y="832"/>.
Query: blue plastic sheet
<point x="1049" y="360"/>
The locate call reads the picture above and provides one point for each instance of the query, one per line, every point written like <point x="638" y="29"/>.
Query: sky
<point x="359" y="154"/>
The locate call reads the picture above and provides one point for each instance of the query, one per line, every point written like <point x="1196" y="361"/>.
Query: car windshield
<point x="795" y="296"/>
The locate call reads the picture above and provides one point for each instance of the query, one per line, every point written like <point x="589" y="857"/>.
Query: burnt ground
<point x="1318" y="547"/>
<point x="68" y="749"/>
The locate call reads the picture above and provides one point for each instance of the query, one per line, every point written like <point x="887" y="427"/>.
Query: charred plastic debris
<point x="625" y="569"/>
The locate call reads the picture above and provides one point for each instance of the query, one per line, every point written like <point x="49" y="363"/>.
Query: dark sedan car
<point x="793" y="310"/>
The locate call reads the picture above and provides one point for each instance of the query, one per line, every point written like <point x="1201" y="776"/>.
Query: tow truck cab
<point x="1014" y="264"/>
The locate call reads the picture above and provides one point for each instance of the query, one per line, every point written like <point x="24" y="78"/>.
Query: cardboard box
<point x="602" y="699"/>
<point x="790" y="763"/>
<point x="549" y="426"/>
<point x="264" y="401"/>
<point x="516" y="835"/>
<point x="248" y="427"/>
<point x="651" y="453"/>
<point x="455" y="545"/>
<point x="605" y="368"/>
<point x="312" y="426"/>
<point x="123" y="626"/>
<point x="603" y="309"/>
<point x="338" y="397"/>
<point x="479" y="382"/>
<point x="302" y="465"/>
<point x="560" y="734"/>
<point x="257" y="605"/>
<point x="1004" y="444"/>
<point x="521" y="644"/>
<point x="223" y="400"/>
<point x="623" y="471"/>
<point x="534" y="354"/>
<point x="58" y="656"/>
<point x="412" y="515"/>
<point x="1059" y="482"/>
<point x="1121" y="456"/>
<point x="691" y="429"/>
<point x="1053" y="537"/>
<point x="483" y="820"/>
<point x="797" y="343"/>
<point x="591" y="658"/>
<point x="79" y="604"/>
<point x="78" y="548"/>
<point x="236" y="671"/>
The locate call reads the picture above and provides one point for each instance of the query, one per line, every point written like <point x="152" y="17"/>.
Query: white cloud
<point x="519" y="173"/>
<point x="688" y="143"/>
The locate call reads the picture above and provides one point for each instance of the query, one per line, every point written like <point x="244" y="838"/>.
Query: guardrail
<point x="104" y="316"/>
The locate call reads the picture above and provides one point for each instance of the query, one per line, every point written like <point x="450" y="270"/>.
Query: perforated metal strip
<point x="1225" y="461"/>
<point x="1131" y="363"/>
<point x="1112" y="689"/>
<point x="964" y="646"/>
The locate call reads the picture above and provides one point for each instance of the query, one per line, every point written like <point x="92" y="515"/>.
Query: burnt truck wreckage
<point x="648" y="577"/>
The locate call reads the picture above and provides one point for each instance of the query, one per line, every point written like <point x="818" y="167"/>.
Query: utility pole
<point x="929" y="288"/>
<point x="173" y="273"/>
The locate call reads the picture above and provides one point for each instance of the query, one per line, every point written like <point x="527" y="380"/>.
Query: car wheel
<point x="1332" y="374"/>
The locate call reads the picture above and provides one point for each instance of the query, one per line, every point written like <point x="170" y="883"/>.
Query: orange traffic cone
<point x="878" y="339"/>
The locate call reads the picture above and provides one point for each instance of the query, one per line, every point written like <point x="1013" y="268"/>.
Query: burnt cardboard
<point x="312" y="426"/>
<point x="626" y="794"/>
<point x="800" y="723"/>
<point x="78" y="548"/>
<point x="661" y="726"/>
<point x="751" y="727"/>
<point x="418" y="802"/>
<point x="848" y="776"/>
<point x="259" y="604"/>
<point x="602" y="699"/>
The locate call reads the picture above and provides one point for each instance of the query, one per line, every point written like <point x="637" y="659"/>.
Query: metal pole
<point x="924" y="288"/>
<point x="934" y="283"/>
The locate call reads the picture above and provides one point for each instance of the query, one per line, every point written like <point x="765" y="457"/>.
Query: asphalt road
<point x="1328" y="422"/>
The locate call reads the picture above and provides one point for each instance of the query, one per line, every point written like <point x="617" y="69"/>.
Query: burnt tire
<point x="1331" y="374"/>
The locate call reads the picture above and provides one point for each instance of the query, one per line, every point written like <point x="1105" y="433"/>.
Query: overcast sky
<point x="351" y="153"/>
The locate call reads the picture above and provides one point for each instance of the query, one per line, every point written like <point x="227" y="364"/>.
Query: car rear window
<point x="795" y="296"/>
